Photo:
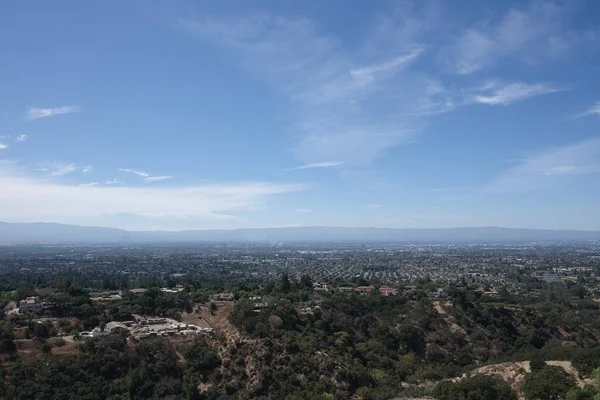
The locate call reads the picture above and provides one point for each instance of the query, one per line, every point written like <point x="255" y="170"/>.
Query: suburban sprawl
<point x="300" y="321"/>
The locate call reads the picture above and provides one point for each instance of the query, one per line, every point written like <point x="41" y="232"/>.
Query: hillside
<point x="61" y="233"/>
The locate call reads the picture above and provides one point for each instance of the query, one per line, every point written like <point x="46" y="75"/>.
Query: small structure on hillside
<point x="31" y="304"/>
<point x="223" y="297"/>
<point x="388" y="291"/>
<point x="363" y="289"/>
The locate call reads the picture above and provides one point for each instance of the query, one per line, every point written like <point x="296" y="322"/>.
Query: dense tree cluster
<point x="107" y="368"/>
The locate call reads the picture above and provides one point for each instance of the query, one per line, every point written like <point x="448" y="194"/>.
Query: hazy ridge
<point x="62" y="233"/>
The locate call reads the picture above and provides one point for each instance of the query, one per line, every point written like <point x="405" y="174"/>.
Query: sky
<point x="153" y="115"/>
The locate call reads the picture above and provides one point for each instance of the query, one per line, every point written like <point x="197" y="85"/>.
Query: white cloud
<point x="3" y="146"/>
<point x="89" y="184"/>
<point x="87" y="168"/>
<point x="27" y="199"/>
<point x="327" y="164"/>
<point x="35" y="113"/>
<point x="302" y="210"/>
<point x="136" y="172"/>
<point x="349" y="105"/>
<point x="21" y="138"/>
<point x="550" y="168"/>
<point x="371" y="70"/>
<point x="374" y="206"/>
<point x="503" y="94"/>
<point x="114" y="182"/>
<point x="157" y="178"/>
<point x="529" y="34"/>
<point x="57" y="169"/>
<point x="592" y="110"/>
<point x="148" y="178"/>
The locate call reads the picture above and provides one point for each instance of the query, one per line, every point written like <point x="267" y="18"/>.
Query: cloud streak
<point x="37" y="113"/>
<point x="302" y="210"/>
<point x="592" y="110"/>
<point x="28" y="199"/>
<point x="157" y="178"/>
<point x="57" y="169"/>
<point x="148" y="178"/>
<point x="505" y="94"/>
<point x="348" y="105"/>
<point x="528" y="34"/>
<point x="327" y="164"/>
<point x="3" y="146"/>
<point x="135" y="172"/>
<point x="21" y="138"/>
<point x="114" y="182"/>
<point x="550" y="168"/>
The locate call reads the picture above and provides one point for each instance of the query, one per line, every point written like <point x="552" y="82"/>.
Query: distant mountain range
<point x="61" y="233"/>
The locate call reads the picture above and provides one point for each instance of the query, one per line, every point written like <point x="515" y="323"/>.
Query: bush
<point x="548" y="383"/>
<point x="478" y="387"/>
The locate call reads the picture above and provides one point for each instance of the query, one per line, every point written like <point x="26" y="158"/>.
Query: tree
<point x="306" y="282"/>
<point x="42" y="329"/>
<point x="285" y="283"/>
<point x="537" y="362"/>
<point x="6" y="338"/>
<point x="478" y="387"/>
<point x="548" y="383"/>
<point x="199" y="357"/>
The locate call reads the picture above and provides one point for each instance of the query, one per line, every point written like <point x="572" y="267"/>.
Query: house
<point x="387" y="291"/>
<point x="345" y="289"/>
<point x="112" y="325"/>
<point x="363" y="289"/>
<point x="97" y="332"/>
<point x="438" y="294"/>
<point x="320" y="289"/>
<point x="223" y="297"/>
<point x="31" y="304"/>
<point x="138" y="291"/>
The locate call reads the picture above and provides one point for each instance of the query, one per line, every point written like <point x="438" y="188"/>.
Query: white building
<point x="31" y="304"/>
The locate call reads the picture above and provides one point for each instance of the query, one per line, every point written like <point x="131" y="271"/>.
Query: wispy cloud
<point x="528" y="34"/>
<point x="368" y="72"/>
<point x="36" y="113"/>
<point x="54" y="169"/>
<point x="21" y="138"/>
<point x="148" y="178"/>
<point x="57" y="169"/>
<point x="373" y="206"/>
<point x="3" y="146"/>
<point x="550" y="168"/>
<point x="89" y="184"/>
<point x="135" y="172"/>
<point x="114" y="182"/>
<point x="327" y="164"/>
<point x="157" y="178"/>
<point x="592" y="110"/>
<point x="21" y="200"/>
<point x="302" y="210"/>
<point x="496" y="93"/>
<point x="350" y="105"/>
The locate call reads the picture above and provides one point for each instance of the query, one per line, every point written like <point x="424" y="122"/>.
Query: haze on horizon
<point x="402" y="114"/>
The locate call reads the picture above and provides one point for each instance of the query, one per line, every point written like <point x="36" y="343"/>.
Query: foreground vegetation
<point x="284" y="340"/>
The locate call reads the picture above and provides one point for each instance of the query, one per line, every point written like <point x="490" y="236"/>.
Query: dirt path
<point x="450" y="320"/>
<point x="514" y="373"/>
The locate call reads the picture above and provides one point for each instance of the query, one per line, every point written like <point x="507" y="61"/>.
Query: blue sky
<point x="197" y="115"/>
